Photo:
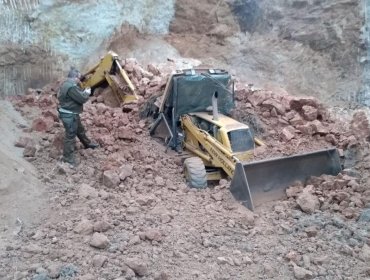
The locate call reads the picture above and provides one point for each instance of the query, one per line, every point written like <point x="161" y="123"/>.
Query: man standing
<point x="71" y="99"/>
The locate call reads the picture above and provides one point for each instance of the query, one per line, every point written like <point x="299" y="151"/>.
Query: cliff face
<point x="307" y="47"/>
<point x="54" y="34"/>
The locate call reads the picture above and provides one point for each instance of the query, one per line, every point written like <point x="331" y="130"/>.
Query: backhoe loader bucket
<point x="258" y="182"/>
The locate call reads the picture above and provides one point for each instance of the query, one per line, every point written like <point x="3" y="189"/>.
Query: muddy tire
<point x="195" y="172"/>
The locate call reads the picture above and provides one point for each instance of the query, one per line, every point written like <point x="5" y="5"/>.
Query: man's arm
<point x="78" y="95"/>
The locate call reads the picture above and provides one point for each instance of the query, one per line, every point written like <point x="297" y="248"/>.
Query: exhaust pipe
<point x="215" y="106"/>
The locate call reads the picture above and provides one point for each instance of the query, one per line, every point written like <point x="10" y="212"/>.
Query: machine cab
<point x="235" y="136"/>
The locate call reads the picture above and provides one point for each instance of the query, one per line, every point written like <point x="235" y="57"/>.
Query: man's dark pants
<point x="73" y="127"/>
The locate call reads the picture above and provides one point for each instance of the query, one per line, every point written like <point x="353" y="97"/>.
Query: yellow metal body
<point x="109" y="70"/>
<point x="215" y="150"/>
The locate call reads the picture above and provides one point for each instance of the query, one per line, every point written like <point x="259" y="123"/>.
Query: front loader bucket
<point x="258" y="182"/>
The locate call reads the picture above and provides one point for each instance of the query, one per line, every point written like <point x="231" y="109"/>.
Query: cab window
<point x="241" y="140"/>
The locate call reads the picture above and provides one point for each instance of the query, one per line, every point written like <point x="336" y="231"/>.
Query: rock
<point x="87" y="277"/>
<point x="161" y="276"/>
<point x="222" y="260"/>
<point x="360" y="125"/>
<point x="41" y="276"/>
<point x="365" y="216"/>
<point x="247" y="260"/>
<point x="257" y="98"/>
<point x="365" y="253"/>
<point x="217" y="196"/>
<point x="297" y="121"/>
<point x="24" y="141"/>
<point x="50" y="114"/>
<point x="138" y="266"/>
<point x="159" y="181"/>
<point x="302" y="273"/>
<point x="102" y="226"/>
<point x="129" y="274"/>
<point x="341" y="196"/>
<point x="319" y="128"/>
<point x="99" y="240"/>
<point x="144" y="200"/>
<point x="153" y="69"/>
<point x="87" y="192"/>
<point x="306" y="129"/>
<point x="32" y="249"/>
<point x="297" y="103"/>
<point x="293" y="256"/>
<point x="246" y="217"/>
<point x="84" y="227"/>
<point x="311" y="231"/>
<point x="125" y="134"/>
<point x="274" y="104"/>
<point x="309" y="113"/>
<point x="125" y="171"/>
<point x="308" y="202"/>
<point x="42" y="124"/>
<point x="294" y="190"/>
<point x="287" y="134"/>
<point x="99" y="260"/>
<point x="153" y="235"/>
<point x="111" y="179"/>
<point x="330" y="138"/>
<point x="54" y="270"/>
<point x="29" y="151"/>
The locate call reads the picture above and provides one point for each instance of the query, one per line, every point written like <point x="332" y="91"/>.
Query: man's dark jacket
<point x="72" y="97"/>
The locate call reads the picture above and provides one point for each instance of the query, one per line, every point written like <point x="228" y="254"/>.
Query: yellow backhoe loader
<point x="109" y="71"/>
<point x="192" y="118"/>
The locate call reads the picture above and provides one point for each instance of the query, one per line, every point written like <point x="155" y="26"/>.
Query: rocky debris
<point x="133" y="192"/>
<point x="365" y="253"/>
<point x="99" y="240"/>
<point x="42" y="124"/>
<point x="360" y="127"/>
<point x="99" y="260"/>
<point x="287" y="134"/>
<point x="84" y="227"/>
<point x="86" y="191"/>
<point x="308" y="202"/>
<point x="24" y="141"/>
<point x="54" y="270"/>
<point x="138" y="266"/>
<point x="152" y="235"/>
<point x="125" y="171"/>
<point x="29" y="151"/>
<point x="309" y="113"/>
<point x="302" y="273"/>
<point x="102" y="226"/>
<point x="111" y="178"/>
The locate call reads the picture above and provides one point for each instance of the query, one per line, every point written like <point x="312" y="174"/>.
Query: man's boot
<point x="91" y="146"/>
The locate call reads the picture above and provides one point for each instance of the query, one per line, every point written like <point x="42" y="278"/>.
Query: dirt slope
<point x="20" y="190"/>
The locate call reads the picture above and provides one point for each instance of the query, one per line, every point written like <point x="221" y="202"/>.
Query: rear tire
<point x="195" y="172"/>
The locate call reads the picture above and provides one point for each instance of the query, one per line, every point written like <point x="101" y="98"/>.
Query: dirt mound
<point x="20" y="189"/>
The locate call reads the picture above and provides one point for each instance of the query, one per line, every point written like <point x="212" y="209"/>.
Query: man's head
<point x="74" y="74"/>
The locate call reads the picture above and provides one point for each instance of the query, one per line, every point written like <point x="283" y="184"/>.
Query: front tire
<point x="195" y="172"/>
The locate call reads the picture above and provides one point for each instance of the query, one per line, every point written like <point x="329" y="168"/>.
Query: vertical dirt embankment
<point x="306" y="47"/>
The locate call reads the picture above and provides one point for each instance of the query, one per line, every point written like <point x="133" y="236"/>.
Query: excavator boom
<point x="110" y="71"/>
